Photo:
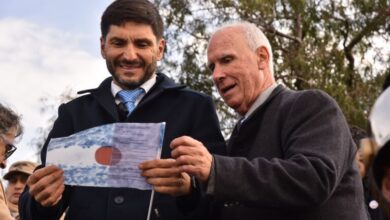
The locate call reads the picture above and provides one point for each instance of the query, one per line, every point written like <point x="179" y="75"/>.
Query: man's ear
<point x="161" y="48"/>
<point x="386" y="186"/>
<point x="262" y="57"/>
<point x="102" y="45"/>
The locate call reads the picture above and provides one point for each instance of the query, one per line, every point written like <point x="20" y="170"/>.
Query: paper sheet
<point x="107" y="155"/>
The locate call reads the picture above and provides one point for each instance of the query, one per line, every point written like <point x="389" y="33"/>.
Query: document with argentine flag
<point x="107" y="155"/>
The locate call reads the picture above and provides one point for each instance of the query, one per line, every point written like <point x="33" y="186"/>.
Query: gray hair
<point x="8" y="120"/>
<point x="255" y="38"/>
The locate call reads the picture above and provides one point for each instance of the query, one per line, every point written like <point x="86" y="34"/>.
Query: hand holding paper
<point x="46" y="185"/>
<point x="165" y="176"/>
<point x="107" y="155"/>
<point x="192" y="157"/>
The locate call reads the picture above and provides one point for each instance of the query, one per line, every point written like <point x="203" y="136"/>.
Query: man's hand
<point x="166" y="177"/>
<point x="47" y="185"/>
<point x="192" y="157"/>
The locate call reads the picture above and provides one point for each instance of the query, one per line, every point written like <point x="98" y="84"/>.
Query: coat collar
<point x="163" y="83"/>
<point x="104" y="97"/>
<point x="235" y="136"/>
<point x="274" y="93"/>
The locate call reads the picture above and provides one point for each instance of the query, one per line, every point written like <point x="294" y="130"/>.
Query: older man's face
<point x="235" y="69"/>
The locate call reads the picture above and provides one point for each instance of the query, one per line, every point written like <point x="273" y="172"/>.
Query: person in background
<point x="290" y="156"/>
<point x="380" y="128"/>
<point x="131" y="43"/>
<point x="364" y="159"/>
<point x="363" y="156"/>
<point x="17" y="177"/>
<point x="10" y="128"/>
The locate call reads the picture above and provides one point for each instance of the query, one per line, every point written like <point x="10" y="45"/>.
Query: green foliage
<point x="336" y="46"/>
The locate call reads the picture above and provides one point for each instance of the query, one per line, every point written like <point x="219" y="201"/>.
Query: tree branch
<point x="272" y="30"/>
<point x="372" y="25"/>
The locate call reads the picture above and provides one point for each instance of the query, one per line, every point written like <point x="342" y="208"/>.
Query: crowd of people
<point x="291" y="154"/>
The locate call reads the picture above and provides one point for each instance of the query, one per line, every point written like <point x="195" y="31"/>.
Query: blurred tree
<point x="49" y="109"/>
<point x="340" y="46"/>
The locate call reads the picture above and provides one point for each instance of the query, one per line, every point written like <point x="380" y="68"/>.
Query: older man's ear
<point x="262" y="57"/>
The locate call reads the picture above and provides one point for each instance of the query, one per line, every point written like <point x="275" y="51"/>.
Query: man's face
<point x="131" y="51"/>
<point x="5" y="139"/>
<point x="236" y="69"/>
<point x="15" y="187"/>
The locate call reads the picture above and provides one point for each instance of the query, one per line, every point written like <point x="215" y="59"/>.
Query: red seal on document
<point x="108" y="155"/>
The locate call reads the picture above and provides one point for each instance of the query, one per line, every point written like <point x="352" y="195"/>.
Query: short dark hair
<point x="8" y="120"/>
<point x="357" y="134"/>
<point x="139" y="11"/>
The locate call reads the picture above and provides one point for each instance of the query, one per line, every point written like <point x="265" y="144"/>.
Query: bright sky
<point x="47" y="47"/>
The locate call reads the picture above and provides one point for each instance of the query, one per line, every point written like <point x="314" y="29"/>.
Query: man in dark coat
<point x="291" y="155"/>
<point x="131" y="44"/>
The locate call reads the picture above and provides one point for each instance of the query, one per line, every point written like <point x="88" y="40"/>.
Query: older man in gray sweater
<point x="291" y="156"/>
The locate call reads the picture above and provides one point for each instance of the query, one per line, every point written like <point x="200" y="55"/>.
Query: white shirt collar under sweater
<point x="259" y="101"/>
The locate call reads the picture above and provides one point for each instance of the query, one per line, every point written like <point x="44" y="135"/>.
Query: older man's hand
<point x="166" y="177"/>
<point x="192" y="157"/>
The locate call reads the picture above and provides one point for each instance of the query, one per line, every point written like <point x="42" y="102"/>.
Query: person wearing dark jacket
<point x="131" y="44"/>
<point x="290" y="156"/>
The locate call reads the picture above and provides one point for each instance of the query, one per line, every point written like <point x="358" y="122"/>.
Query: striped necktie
<point x="128" y="98"/>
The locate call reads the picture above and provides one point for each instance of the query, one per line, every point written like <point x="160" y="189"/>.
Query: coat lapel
<point x="162" y="84"/>
<point x="104" y="97"/>
<point x="236" y="138"/>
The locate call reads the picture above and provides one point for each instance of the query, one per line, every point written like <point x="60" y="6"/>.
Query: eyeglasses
<point x="9" y="148"/>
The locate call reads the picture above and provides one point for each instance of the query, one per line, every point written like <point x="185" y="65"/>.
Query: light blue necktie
<point x="128" y="98"/>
